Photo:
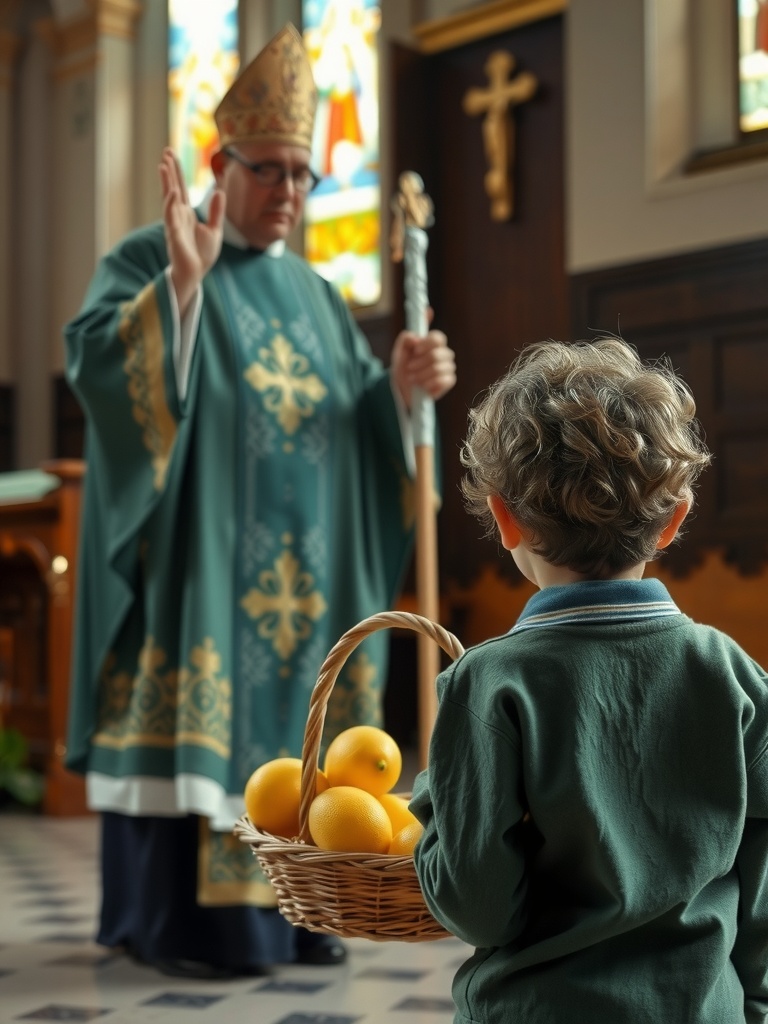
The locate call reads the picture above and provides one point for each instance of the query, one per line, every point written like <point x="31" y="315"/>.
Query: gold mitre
<point x="273" y="99"/>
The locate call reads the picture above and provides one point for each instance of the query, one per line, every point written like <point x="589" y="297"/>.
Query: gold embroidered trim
<point x="141" y="332"/>
<point x="205" y="702"/>
<point x="228" y="873"/>
<point x="162" y="707"/>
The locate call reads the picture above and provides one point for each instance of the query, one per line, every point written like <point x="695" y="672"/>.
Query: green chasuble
<point x="230" y="535"/>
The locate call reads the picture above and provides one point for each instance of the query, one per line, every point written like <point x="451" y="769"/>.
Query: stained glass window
<point x="343" y="220"/>
<point x="753" y="64"/>
<point x="202" y="63"/>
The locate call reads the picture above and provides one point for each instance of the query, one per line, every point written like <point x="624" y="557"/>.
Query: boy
<point x="602" y="836"/>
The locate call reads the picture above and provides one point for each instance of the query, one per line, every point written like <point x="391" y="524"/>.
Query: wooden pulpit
<point x="38" y="561"/>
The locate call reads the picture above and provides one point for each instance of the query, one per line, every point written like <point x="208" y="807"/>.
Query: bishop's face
<point x="263" y="213"/>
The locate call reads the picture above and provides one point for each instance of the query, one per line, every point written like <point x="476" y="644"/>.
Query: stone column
<point x="33" y="173"/>
<point x="94" y="141"/>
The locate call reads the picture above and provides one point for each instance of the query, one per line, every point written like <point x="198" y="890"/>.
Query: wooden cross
<point x="498" y="127"/>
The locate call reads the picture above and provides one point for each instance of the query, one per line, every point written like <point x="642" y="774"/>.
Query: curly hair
<point x="590" y="449"/>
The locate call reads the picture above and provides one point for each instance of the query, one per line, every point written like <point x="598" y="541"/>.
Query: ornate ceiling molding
<point x="485" y="20"/>
<point x="116" y="18"/>
<point x="105" y="18"/>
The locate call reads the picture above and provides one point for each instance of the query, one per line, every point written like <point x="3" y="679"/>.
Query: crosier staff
<point x="413" y="213"/>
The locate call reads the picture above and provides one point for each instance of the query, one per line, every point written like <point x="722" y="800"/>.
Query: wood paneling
<point x="68" y="422"/>
<point x="708" y="313"/>
<point x="380" y="334"/>
<point x="494" y="286"/>
<point x="38" y="561"/>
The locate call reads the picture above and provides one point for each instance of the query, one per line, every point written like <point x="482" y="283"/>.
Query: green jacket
<point x="596" y="816"/>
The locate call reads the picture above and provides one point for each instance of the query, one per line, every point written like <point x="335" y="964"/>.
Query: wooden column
<point x="38" y="553"/>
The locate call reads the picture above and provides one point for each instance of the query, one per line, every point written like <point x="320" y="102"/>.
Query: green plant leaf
<point x="25" y="785"/>
<point x="13" y="749"/>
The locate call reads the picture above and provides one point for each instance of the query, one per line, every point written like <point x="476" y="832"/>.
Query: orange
<point x="273" y="793"/>
<point x="366" y="757"/>
<point x="397" y="809"/>
<point x="349" y="820"/>
<point x="404" y="842"/>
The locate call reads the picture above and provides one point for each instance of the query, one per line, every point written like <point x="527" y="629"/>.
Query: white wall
<point x="616" y="214"/>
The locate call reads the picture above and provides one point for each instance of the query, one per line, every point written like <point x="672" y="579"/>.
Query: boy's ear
<point x="509" y="531"/>
<point x="669" y="532"/>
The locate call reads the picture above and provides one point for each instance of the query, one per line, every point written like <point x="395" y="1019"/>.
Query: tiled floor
<point x="50" y="969"/>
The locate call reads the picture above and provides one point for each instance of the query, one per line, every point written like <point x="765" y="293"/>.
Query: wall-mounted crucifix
<point x="499" y="127"/>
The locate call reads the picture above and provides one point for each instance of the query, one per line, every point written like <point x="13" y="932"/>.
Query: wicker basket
<point x="353" y="895"/>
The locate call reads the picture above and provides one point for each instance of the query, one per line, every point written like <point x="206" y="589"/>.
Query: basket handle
<point x="329" y="672"/>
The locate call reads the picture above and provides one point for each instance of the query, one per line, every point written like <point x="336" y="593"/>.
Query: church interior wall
<point x="631" y="207"/>
<point x="79" y="147"/>
<point x="620" y="210"/>
<point x="615" y="214"/>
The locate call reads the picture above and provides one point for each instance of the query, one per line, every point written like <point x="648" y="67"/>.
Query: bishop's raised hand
<point x="193" y="245"/>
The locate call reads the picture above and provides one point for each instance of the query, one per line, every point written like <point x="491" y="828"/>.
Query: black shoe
<point x="197" y="969"/>
<point x="178" y="967"/>
<point x="319" y="950"/>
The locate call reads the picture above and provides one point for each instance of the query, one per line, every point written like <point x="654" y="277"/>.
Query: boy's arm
<point x="470" y="860"/>
<point x="750" y="951"/>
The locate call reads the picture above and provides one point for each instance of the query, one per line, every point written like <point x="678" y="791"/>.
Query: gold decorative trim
<point x="141" y="331"/>
<point x="114" y="18"/>
<point x="246" y="885"/>
<point x="487" y="20"/>
<point x="103" y="739"/>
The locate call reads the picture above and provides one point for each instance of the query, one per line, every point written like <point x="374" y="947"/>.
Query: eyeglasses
<point x="271" y="174"/>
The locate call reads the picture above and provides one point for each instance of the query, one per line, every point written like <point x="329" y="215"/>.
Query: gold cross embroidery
<point x="291" y="392"/>
<point x="362" y="672"/>
<point x="285" y="604"/>
<point x="354" y="698"/>
<point x="498" y="127"/>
